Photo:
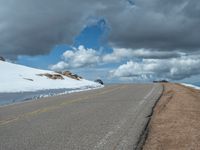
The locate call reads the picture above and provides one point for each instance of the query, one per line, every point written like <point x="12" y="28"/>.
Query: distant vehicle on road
<point x="160" y="81"/>
<point x="99" y="81"/>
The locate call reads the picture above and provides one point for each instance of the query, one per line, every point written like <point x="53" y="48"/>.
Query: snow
<point x="20" y="83"/>
<point x="13" y="78"/>
<point x="190" y="85"/>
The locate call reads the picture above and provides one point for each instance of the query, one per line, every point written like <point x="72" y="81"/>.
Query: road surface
<point x="109" y="118"/>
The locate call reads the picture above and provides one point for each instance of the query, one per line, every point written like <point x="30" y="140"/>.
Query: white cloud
<point x="59" y="66"/>
<point x="119" y="54"/>
<point x="174" y="69"/>
<point x="83" y="57"/>
<point x="77" y="58"/>
<point x="150" y="66"/>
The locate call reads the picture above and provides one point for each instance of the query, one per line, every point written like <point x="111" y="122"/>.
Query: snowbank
<point x="192" y="86"/>
<point x="18" y="78"/>
<point x="20" y="83"/>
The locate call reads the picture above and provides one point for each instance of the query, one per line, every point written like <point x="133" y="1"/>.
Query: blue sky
<point x="90" y="37"/>
<point x="93" y="36"/>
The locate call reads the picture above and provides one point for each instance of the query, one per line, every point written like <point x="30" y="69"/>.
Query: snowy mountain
<point x="18" y="78"/>
<point x="27" y="83"/>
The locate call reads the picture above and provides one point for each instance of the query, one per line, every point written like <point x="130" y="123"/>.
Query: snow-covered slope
<point x="192" y="86"/>
<point x="18" y="78"/>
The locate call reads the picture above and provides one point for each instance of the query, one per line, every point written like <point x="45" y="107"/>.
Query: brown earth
<point x="175" y="124"/>
<point x="59" y="75"/>
<point x="52" y="76"/>
<point x="71" y="75"/>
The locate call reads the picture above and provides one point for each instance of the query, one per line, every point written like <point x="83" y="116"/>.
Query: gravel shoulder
<point x="175" y="123"/>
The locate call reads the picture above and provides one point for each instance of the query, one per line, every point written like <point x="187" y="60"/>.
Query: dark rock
<point x="71" y="75"/>
<point x="66" y="73"/>
<point x="2" y="59"/>
<point x="99" y="81"/>
<point x="52" y="76"/>
<point x="59" y="75"/>
<point x="28" y="79"/>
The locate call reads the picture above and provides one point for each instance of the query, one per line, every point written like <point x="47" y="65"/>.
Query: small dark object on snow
<point x="2" y="59"/>
<point x="99" y="81"/>
<point x="28" y="79"/>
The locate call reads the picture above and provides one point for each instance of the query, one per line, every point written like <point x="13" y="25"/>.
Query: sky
<point x="116" y="41"/>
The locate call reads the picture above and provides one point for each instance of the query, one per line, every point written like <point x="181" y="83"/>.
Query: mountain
<point x="19" y="78"/>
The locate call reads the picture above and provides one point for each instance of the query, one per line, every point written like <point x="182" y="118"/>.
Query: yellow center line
<point x="51" y="108"/>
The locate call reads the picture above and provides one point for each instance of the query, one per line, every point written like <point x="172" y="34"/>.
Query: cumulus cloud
<point x="173" y="69"/>
<point x="83" y="57"/>
<point x="60" y="66"/>
<point x="77" y="58"/>
<point x="33" y="27"/>
<point x="143" y="64"/>
<point x="119" y="54"/>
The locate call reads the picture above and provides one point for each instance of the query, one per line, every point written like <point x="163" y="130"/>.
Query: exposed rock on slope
<point x="52" y="76"/>
<point x="70" y="75"/>
<point x="2" y="59"/>
<point x="19" y="78"/>
<point x="59" y="75"/>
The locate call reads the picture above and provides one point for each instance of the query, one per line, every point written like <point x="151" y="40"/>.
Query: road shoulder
<point x="175" y="123"/>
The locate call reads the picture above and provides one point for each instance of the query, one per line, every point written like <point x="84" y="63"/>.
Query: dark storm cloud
<point x="33" y="27"/>
<point x="158" y="24"/>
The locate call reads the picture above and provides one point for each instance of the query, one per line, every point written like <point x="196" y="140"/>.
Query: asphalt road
<point x="109" y="118"/>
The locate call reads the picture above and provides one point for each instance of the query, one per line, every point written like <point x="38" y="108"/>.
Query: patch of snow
<point x="192" y="86"/>
<point x="20" y="83"/>
<point x="18" y="78"/>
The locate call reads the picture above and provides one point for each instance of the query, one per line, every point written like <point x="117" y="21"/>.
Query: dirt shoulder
<point x="175" y="124"/>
